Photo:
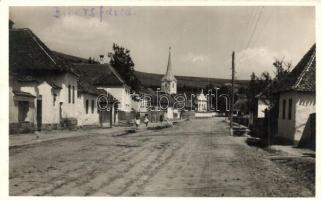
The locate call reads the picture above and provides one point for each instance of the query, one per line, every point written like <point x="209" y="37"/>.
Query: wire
<point x="268" y="19"/>
<point x="255" y="26"/>
<point x="250" y="22"/>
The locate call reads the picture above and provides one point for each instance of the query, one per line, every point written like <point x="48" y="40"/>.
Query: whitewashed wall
<point x="50" y="110"/>
<point x="261" y="108"/>
<point x="68" y="109"/>
<point x="13" y="108"/>
<point x="171" y="89"/>
<point x="122" y="94"/>
<point x="303" y="104"/>
<point x="32" y="89"/>
<point x="90" y="118"/>
<point x="286" y="127"/>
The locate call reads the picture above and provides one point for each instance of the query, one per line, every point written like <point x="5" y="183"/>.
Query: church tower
<point x="169" y="82"/>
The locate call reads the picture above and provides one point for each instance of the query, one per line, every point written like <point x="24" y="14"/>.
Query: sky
<point x="202" y="39"/>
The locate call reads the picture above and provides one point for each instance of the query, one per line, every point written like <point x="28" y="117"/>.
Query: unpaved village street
<point x="192" y="158"/>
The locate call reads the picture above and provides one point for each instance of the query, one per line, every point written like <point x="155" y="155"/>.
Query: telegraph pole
<point x="232" y="95"/>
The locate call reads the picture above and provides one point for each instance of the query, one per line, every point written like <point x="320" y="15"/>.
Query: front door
<point x="39" y="114"/>
<point x="60" y="111"/>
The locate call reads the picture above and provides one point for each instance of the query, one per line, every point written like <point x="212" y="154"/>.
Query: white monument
<point x="201" y="102"/>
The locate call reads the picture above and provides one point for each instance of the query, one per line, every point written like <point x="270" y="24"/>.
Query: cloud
<point x="84" y="35"/>
<point x="258" y="60"/>
<point x="190" y="57"/>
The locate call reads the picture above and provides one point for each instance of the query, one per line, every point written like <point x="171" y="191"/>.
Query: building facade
<point x="45" y="91"/>
<point x="297" y="99"/>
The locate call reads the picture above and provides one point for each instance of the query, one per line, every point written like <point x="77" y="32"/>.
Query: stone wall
<point x="21" y="127"/>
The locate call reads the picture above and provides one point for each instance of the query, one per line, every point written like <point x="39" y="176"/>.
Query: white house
<point x="88" y="111"/>
<point x="262" y="105"/>
<point x="105" y="77"/>
<point x="45" y="91"/>
<point x="42" y="80"/>
<point x="297" y="99"/>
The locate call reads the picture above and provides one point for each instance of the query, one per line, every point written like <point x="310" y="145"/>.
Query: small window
<point x="78" y="94"/>
<point x="283" y="109"/>
<point x="87" y="106"/>
<point x="290" y="109"/>
<point x="69" y="93"/>
<point x="73" y="94"/>
<point x="92" y="106"/>
<point x="173" y="85"/>
<point x="54" y="99"/>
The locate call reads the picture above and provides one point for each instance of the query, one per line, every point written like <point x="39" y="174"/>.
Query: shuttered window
<point x="73" y="94"/>
<point x="283" y="109"/>
<point x="69" y="93"/>
<point x="290" y="109"/>
<point x="92" y="106"/>
<point x="87" y="106"/>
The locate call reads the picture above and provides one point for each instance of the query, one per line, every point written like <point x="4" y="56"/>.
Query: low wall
<point x="241" y="120"/>
<point x="21" y="127"/>
<point x="188" y="115"/>
<point x="204" y="114"/>
<point x="69" y="123"/>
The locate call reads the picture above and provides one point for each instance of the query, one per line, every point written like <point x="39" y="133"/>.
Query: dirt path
<point x="194" y="158"/>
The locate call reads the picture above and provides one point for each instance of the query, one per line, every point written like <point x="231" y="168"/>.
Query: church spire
<point x="169" y="74"/>
<point x="169" y="64"/>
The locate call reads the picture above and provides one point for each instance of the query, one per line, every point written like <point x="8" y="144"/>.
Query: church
<point x="169" y="90"/>
<point x="169" y="82"/>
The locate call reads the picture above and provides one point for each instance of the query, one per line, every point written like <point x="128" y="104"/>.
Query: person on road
<point x="146" y="120"/>
<point x="161" y="118"/>
<point x="137" y="120"/>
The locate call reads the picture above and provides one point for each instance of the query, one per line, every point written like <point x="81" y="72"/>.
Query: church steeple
<point x="169" y="81"/>
<point x="169" y="74"/>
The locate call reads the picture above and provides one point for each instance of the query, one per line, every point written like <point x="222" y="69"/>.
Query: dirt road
<point x="193" y="158"/>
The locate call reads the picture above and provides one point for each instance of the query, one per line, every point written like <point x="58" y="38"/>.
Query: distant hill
<point x="151" y="80"/>
<point x="154" y="80"/>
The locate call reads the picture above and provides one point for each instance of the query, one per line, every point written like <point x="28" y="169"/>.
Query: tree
<point x="282" y="68"/>
<point x="121" y="60"/>
<point x="255" y="87"/>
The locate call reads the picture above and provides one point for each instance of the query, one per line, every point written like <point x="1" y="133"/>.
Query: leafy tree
<point x="255" y="87"/>
<point x="264" y="82"/>
<point x="121" y="60"/>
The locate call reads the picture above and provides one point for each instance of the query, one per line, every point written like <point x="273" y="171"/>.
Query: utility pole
<point x="232" y="95"/>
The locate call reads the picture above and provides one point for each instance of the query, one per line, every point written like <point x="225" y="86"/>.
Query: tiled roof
<point x="28" y="54"/>
<point x="27" y="78"/>
<point x="302" y="77"/>
<point x="54" y="85"/>
<point x="71" y="58"/>
<point x="99" y="74"/>
<point x="25" y="94"/>
<point x="85" y="87"/>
